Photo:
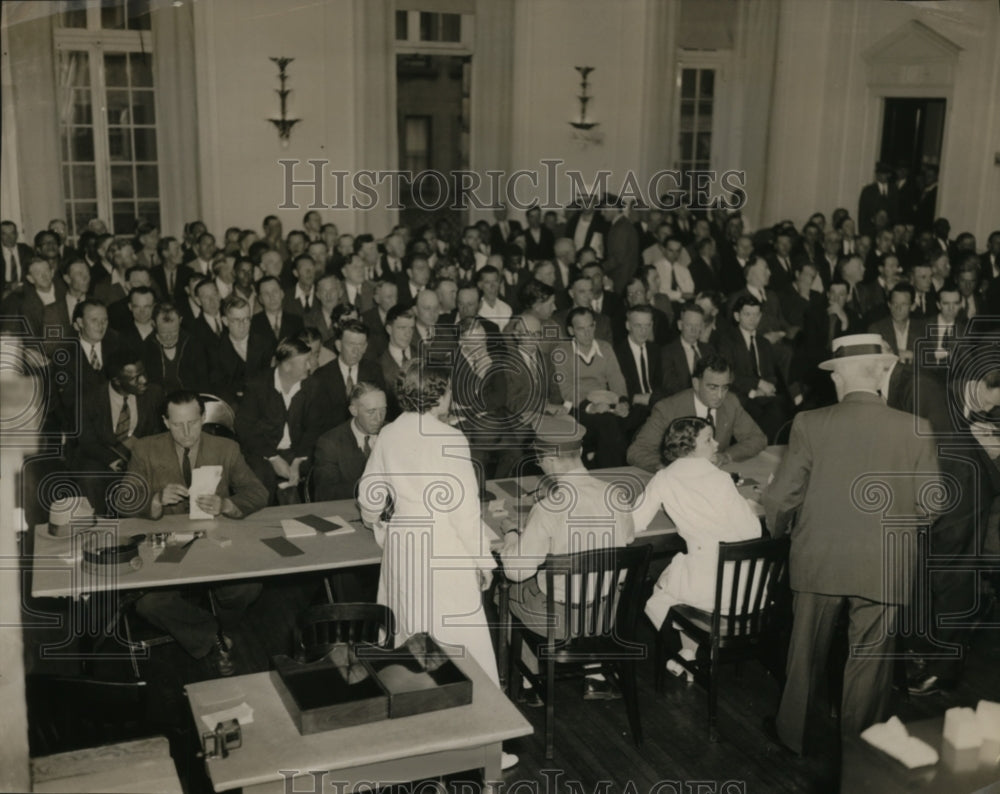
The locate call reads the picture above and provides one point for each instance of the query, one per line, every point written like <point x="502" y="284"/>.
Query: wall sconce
<point x="583" y="129"/>
<point x="284" y="124"/>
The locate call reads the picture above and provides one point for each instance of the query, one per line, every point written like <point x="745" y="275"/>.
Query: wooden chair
<point x="751" y="578"/>
<point x="319" y="628"/>
<point x="598" y="619"/>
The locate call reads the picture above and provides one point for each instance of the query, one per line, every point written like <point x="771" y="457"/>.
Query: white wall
<point x="826" y="120"/>
<point x="241" y="179"/>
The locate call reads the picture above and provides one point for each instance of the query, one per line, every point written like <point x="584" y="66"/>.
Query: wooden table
<point x="867" y="770"/>
<point x="275" y="757"/>
<point x="139" y="766"/>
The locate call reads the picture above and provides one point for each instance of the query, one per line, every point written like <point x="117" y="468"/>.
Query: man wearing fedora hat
<point x="847" y="467"/>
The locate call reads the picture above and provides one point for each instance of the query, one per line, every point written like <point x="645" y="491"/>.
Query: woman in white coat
<point x="707" y="509"/>
<point x="435" y="551"/>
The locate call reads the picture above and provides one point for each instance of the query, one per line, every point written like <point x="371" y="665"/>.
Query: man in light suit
<point x="840" y="460"/>
<point x="165" y="462"/>
<point x="736" y="432"/>
<point x="342" y="453"/>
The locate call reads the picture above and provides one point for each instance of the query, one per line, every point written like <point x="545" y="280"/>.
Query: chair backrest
<point x="601" y="589"/>
<point x="749" y="576"/>
<point x="220" y="419"/>
<point x="319" y="628"/>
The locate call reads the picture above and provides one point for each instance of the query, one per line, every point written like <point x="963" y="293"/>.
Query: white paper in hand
<point x="204" y="481"/>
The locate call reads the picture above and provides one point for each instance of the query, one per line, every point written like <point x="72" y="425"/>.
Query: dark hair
<point x="234" y="301"/>
<point x="361" y="240"/>
<point x="578" y="311"/>
<point x="535" y="292"/>
<point x="713" y="362"/>
<point x="352" y="325"/>
<point x="310" y="335"/>
<point x="681" y="437"/>
<point x="398" y="311"/>
<point x="743" y="301"/>
<point x="639" y="308"/>
<point x="183" y="397"/>
<point x="420" y="386"/>
<point x="302" y="257"/>
<point x="257" y="250"/>
<point x="690" y="306"/>
<point x="163" y="245"/>
<point x="296" y="233"/>
<point x="83" y="305"/>
<point x="117" y="360"/>
<point x="202" y="282"/>
<point x="290" y="347"/>
<point x="486" y="270"/>
<point x="162" y="309"/>
<point x="140" y="291"/>
<point x="903" y="286"/>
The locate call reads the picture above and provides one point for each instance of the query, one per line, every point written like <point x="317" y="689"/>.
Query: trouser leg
<point x="194" y="628"/>
<point x="868" y="672"/>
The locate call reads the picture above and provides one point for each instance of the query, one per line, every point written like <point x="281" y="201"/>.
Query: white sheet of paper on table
<point x="204" y="481"/>
<point x="243" y="712"/>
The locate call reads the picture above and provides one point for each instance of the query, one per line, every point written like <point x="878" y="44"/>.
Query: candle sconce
<point x="584" y="129"/>
<point x="284" y="124"/>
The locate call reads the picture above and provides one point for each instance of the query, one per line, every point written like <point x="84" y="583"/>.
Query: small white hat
<point x="858" y="347"/>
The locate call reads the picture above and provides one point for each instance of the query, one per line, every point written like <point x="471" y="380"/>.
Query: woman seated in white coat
<point x="706" y="507"/>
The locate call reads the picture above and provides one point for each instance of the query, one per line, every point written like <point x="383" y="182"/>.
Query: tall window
<point x="697" y="95"/>
<point x="107" y="115"/>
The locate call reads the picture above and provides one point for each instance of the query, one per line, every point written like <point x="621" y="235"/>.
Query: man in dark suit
<point x="16" y="257"/>
<point x="40" y="301"/>
<point x="737" y="434"/>
<point x="604" y="302"/>
<point x="280" y="418"/>
<point x="111" y="419"/>
<point x="905" y="390"/>
<point x="386" y="294"/>
<point x="680" y="357"/>
<point x="539" y="242"/>
<point x="400" y="325"/>
<point x="341" y="453"/>
<point x="926" y="209"/>
<point x="301" y="297"/>
<point x="165" y="463"/>
<point x="173" y="358"/>
<point x="880" y="195"/>
<point x="97" y="344"/>
<point x="838" y="551"/>
<point x="946" y="327"/>
<point x="171" y="278"/>
<point x="586" y="229"/>
<point x="640" y="363"/>
<point x="502" y="231"/>
<point x="621" y="250"/>
<point x="238" y="359"/>
<point x="273" y="324"/>
<point x="581" y="293"/>
<point x="141" y="302"/>
<point x="756" y="380"/>
<point x="900" y="329"/>
<point x="337" y="379"/>
<point x="924" y="295"/>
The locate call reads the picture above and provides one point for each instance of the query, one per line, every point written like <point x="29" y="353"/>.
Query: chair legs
<point x="630" y="692"/>
<point x="550" y="707"/>
<point x="713" y="695"/>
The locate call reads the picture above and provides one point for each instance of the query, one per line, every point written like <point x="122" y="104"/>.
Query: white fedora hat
<point x="857" y="347"/>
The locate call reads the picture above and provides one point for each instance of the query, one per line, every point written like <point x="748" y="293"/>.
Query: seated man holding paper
<point x="187" y="471"/>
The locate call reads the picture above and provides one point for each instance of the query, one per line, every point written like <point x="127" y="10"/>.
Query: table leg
<point x="492" y="772"/>
<point x="504" y="649"/>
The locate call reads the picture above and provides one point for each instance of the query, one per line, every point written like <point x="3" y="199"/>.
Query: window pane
<point x="75" y="69"/>
<point x="75" y="15"/>
<point x="145" y="143"/>
<point x="142" y="69"/>
<point x="147" y="181"/>
<point x="82" y="144"/>
<point x="688" y="77"/>
<point x="82" y="111"/>
<point x="686" y="145"/>
<point x="138" y="14"/>
<point x="118" y="107"/>
<point x="83" y="212"/>
<point x="115" y="71"/>
<point x="123" y="217"/>
<point x="121" y="181"/>
<point x="451" y="27"/>
<point x="428" y="26"/>
<point x="150" y="211"/>
<point x="119" y="143"/>
<point x="143" y="110"/>
<point x="67" y="187"/>
<point x="113" y="15"/>
<point x="84" y="182"/>
<point x="704" y="146"/>
<point x="402" y="27"/>
<point x="708" y="82"/>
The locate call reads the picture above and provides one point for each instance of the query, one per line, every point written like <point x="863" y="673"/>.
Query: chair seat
<point x="579" y="649"/>
<point x="698" y="624"/>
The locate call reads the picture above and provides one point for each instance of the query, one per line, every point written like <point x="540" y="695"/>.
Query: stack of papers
<point x="307" y="525"/>
<point x="891" y="738"/>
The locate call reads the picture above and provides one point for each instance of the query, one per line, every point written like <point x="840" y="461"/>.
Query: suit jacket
<point x="734" y="348"/>
<point x="378" y="337"/>
<point x="597" y="226"/>
<point x="498" y="240"/>
<point x="232" y="372"/>
<point x="192" y="364"/>
<point x="846" y="467"/>
<point x="25" y="254"/>
<point x="621" y="253"/>
<point x="704" y="276"/>
<point x="654" y="370"/>
<point x="772" y="316"/>
<point x="154" y="460"/>
<point x="919" y="396"/>
<point x="84" y="379"/>
<point x="737" y="433"/>
<point x="365" y="297"/>
<point x="293" y="305"/>
<point x="885" y="329"/>
<point x="543" y="249"/>
<point x="26" y="303"/>
<point x="781" y="279"/>
<point x="260" y="326"/>
<point x="97" y="440"/>
<point x="530" y="388"/>
<point x="262" y="416"/>
<point x="318" y="318"/>
<point x="108" y="293"/>
<point x="338" y="465"/>
<point x="390" y="371"/>
<point x="329" y="382"/>
<point x="183" y="275"/>
<point x="676" y="374"/>
<point x="613" y="307"/>
<point x="871" y="201"/>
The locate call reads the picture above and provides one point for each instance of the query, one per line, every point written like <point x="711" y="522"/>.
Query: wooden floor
<point x="593" y="742"/>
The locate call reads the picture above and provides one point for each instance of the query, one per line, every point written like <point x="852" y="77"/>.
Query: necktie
<point x="642" y="370"/>
<point x="95" y="362"/>
<point x="186" y="467"/>
<point x="753" y="357"/>
<point x="170" y="282"/>
<point x="124" y="420"/>
<point x="15" y="275"/>
<point x="350" y="381"/>
<point x="406" y="355"/>
<point x="276" y="325"/>
<point x="305" y="302"/>
<point x="368" y="446"/>
<point x="711" y="417"/>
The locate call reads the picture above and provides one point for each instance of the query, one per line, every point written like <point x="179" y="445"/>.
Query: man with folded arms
<point x="166" y="463"/>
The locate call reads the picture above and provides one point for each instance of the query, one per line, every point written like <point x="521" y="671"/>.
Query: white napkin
<point x="242" y="712"/>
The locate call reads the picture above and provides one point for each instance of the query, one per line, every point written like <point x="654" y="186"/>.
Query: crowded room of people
<point x="500" y="395"/>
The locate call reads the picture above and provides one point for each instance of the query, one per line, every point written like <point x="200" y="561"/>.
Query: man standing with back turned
<point x="853" y="471"/>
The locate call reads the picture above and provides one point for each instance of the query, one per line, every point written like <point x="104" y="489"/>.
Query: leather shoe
<point x="595" y="689"/>
<point x="530" y="698"/>
<point x="929" y="685"/>
<point x="771" y="732"/>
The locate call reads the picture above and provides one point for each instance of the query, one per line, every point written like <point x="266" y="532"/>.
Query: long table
<point x="233" y="549"/>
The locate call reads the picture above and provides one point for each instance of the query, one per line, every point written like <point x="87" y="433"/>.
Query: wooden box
<point x="318" y="698"/>
<point x="419" y="677"/>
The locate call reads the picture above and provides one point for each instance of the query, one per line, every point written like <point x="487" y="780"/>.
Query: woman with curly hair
<point x="436" y="556"/>
<point x="707" y="509"/>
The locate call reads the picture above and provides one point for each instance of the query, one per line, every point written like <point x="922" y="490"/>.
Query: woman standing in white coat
<point x="436" y="557"/>
<point x="707" y="509"/>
